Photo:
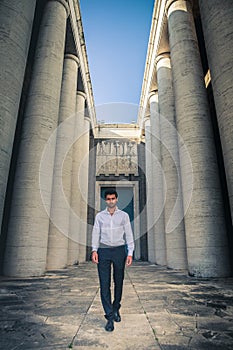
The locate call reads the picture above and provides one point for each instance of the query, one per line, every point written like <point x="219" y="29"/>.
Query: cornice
<point x="158" y="19"/>
<point x="78" y="34"/>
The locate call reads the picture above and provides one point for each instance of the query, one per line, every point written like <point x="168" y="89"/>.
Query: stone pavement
<point x="161" y="309"/>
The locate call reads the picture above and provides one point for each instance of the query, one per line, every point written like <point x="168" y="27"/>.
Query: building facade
<point x="173" y="169"/>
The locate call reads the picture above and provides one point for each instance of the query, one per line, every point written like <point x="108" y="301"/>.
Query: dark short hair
<point x="110" y="191"/>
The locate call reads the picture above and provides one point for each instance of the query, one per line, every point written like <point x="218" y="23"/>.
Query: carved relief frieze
<point x="116" y="157"/>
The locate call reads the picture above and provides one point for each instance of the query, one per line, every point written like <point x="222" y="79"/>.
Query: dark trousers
<point x="109" y="257"/>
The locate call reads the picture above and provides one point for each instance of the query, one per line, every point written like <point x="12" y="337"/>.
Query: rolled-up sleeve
<point x="96" y="234"/>
<point x="129" y="235"/>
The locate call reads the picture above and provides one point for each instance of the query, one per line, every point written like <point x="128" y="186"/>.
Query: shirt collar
<point x="116" y="210"/>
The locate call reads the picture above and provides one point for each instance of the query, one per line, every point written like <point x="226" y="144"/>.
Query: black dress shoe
<point x="109" y="326"/>
<point x="117" y="316"/>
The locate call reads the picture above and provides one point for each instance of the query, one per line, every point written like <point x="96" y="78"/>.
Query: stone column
<point x="16" y="19"/>
<point x="91" y="193"/>
<point x="77" y="222"/>
<point x="141" y="242"/>
<point x="60" y="204"/>
<point x="175" y="235"/>
<point x="206" y="239"/>
<point x="26" y="248"/>
<point x="149" y="190"/>
<point x="84" y="188"/>
<point x="217" y="27"/>
<point x="158" y="186"/>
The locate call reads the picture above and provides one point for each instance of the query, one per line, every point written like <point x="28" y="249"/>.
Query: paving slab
<point x="161" y="309"/>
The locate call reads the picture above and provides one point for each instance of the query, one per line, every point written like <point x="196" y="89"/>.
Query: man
<point x="112" y="244"/>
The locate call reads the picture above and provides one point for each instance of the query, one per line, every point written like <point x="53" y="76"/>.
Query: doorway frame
<point x="129" y="184"/>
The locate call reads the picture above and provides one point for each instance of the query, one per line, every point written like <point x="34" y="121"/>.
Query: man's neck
<point x="111" y="210"/>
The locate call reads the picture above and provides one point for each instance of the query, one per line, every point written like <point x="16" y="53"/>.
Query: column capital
<point x="72" y="57"/>
<point x="183" y="5"/>
<point x="163" y="60"/>
<point x="153" y="96"/>
<point x="81" y="93"/>
<point x="146" y="120"/>
<point x="162" y="55"/>
<point x="87" y="119"/>
<point x="65" y="4"/>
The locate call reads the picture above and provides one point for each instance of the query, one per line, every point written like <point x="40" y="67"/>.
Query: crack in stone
<point x="70" y="346"/>
<point x="145" y="313"/>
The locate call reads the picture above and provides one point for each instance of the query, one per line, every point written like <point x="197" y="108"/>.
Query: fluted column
<point x="78" y="172"/>
<point x="175" y="235"/>
<point x="206" y="239"/>
<point x="158" y="185"/>
<point x="217" y="28"/>
<point x="149" y="190"/>
<point x="16" y="19"/>
<point x="27" y="239"/>
<point x="60" y="204"/>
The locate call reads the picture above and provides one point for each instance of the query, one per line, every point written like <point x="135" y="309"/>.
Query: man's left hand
<point x="129" y="260"/>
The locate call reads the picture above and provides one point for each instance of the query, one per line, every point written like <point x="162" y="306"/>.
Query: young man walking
<point x="112" y="244"/>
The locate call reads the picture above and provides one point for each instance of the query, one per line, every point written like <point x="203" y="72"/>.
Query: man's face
<point x="111" y="200"/>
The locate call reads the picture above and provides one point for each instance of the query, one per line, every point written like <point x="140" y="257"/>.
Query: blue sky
<point x="116" y="34"/>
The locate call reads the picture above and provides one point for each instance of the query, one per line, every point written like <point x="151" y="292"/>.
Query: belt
<point x="102" y="245"/>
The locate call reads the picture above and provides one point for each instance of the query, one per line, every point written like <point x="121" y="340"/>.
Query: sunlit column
<point x="84" y="188"/>
<point x="158" y="185"/>
<point x="217" y="27"/>
<point x="149" y="190"/>
<point x="175" y="236"/>
<point x="78" y="222"/>
<point x="60" y="204"/>
<point x="26" y="248"/>
<point x="16" y="18"/>
<point x="207" y="246"/>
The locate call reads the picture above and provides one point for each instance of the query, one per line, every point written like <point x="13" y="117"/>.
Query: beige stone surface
<point x="116" y="156"/>
<point x="149" y="191"/>
<point x="83" y="184"/>
<point x="157" y="182"/>
<point x="175" y="234"/>
<point x="78" y="219"/>
<point x="217" y="28"/>
<point x="161" y="309"/>
<point x="207" y="245"/>
<point x="26" y="247"/>
<point x="16" y="18"/>
<point x="57" y="253"/>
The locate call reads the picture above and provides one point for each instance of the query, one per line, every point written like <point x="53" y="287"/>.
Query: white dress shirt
<point x="112" y="230"/>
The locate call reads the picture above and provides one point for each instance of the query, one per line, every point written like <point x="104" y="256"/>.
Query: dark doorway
<point x="125" y="200"/>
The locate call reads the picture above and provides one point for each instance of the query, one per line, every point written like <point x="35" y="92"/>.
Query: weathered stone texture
<point x="83" y="183"/>
<point x="61" y="193"/>
<point x="79" y="185"/>
<point x="16" y="18"/>
<point x="175" y="239"/>
<point x="207" y="246"/>
<point x="158" y="184"/>
<point x="26" y="248"/>
<point x="218" y="32"/>
<point x="161" y="309"/>
<point x="149" y="191"/>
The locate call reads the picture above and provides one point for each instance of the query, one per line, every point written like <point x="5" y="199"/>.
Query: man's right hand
<point x="94" y="257"/>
